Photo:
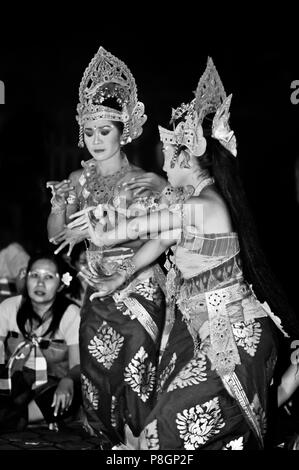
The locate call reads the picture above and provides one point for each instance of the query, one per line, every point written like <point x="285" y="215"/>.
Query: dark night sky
<point x="38" y="130"/>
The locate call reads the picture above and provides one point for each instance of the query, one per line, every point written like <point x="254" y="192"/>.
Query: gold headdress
<point x="210" y="97"/>
<point x="108" y="77"/>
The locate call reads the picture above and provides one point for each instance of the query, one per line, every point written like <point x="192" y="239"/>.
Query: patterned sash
<point x="28" y="350"/>
<point x="27" y="354"/>
<point x="137" y="310"/>
<point x="235" y="388"/>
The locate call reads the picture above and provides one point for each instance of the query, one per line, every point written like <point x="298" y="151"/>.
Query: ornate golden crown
<point x="108" y="77"/>
<point x="210" y="97"/>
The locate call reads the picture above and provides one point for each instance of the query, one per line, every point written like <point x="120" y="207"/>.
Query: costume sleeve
<point x="69" y="325"/>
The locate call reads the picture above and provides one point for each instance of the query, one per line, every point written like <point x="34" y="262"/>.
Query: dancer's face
<point x="102" y="139"/>
<point x="43" y="281"/>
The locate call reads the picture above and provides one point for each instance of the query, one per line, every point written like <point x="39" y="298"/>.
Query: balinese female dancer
<point x="218" y="364"/>
<point x="119" y="335"/>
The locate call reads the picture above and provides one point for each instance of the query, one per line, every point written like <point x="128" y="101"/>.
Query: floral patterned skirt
<point x="119" y="356"/>
<point x="194" y="409"/>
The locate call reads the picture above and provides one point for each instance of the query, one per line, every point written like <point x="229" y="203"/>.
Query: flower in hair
<point x="66" y="279"/>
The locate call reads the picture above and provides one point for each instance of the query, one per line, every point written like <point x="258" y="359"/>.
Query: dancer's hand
<point x="103" y="285"/>
<point x="69" y="237"/>
<point x="96" y="231"/>
<point x="80" y="218"/>
<point x="146" y="181"/>
<point x="61" y="190"/>
<point x="103" y="213"/>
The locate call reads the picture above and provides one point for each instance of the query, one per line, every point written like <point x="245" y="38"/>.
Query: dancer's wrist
<point x="58" y="205"/>
<point x="127" y="269"/>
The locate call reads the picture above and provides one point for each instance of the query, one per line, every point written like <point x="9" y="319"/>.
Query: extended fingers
<point x="137" y="183"/>
<point x="58" y="238"/>
<point x="87" y="272"/>
<point x="68" y="401"/>
<point x="60" y="189"/>
<point x="83" y="211"/>
<point x="72" y="244"/>
<point x="97" y="295"/>
<point x="61" y="247"/>
<point x="64" y="187"/>
<point x="51" y="184"/>
<point x="89" y="280"/>
<point x="60" y="404"/>
<point x="56" y="404"/>
<point x="91" y="230"/>
<point x="91" y="277"/>
<point x="82" y="219"/>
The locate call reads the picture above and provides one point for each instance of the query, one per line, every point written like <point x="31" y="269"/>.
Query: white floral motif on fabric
<point x="124" y="310"/>
<point x="140" y="374"/>
<point x="236" y="444"/>
<point x="198" y="424"/>
<point x="147" y="289"/>
<point x="106" y="345"/>
<point x="259" y="413"/>
<point x="151" y="436"/>
<point x="90" y="392"/>
<point x="192" y="374"/>
<point x="247" y="335"/>
<point x="166" y="373"/>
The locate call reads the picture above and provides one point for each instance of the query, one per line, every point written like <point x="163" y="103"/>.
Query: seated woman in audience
<point x="39" y="349"/>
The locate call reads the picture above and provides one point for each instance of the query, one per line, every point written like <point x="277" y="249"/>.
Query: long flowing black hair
<point x="224" y="167"/>
<point x="26" y="314"/>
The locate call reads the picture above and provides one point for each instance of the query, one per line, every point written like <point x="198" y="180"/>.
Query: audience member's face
<point x="102" y="139"/>
<point x="43" y="281"/>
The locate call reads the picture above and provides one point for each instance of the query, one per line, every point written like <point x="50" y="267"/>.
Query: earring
<point x="125" y="138"/>
<point x="81" y="141"/>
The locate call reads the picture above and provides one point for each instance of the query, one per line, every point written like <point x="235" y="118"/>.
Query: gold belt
<point x="231" y="293"/>
<point x="206" y="315"/>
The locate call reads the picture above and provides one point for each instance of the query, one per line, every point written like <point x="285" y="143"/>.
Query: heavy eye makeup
<point x="103" y="131"/>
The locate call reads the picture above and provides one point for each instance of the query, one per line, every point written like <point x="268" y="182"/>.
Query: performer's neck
<point x="110" y="165"/>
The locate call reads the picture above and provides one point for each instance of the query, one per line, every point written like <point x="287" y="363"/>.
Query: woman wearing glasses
<point x="39" y="351"/>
